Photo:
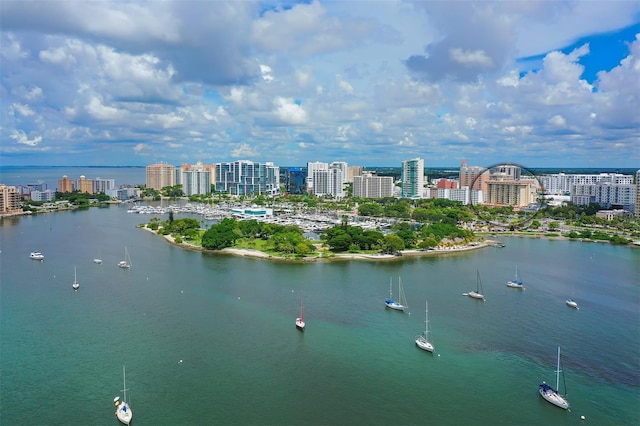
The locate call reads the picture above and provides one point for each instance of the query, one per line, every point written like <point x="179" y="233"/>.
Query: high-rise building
<point x="65" y="184"/>
<point x="196" y="179"/>
<point x="353" y="172"/>
<point x="510" y="193"/>
<point x="161" y="175"/>
<point x="413" y="178"/>
<point x="312" y="167"/>
<point x="475" y="177"/>
<point x="371" y="186"/>
<point x="248" y="178"/>
<point x="637" y="203"/>
<point x="344" y="168"/>
<point x="103" y="185"/>
<point x="295" y="180"/>
<point x="85" y="185"/>
<point x="9" y="200"/>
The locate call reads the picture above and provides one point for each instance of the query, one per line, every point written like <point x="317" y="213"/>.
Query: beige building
<point x="510" y="193"/>
<point x="353" y="172"/>
<point x="9" y="200"/>
<point x="161" y="175"/>
<point x="475" y="177"/>
<point x="85" y="185"/>
<point x="370" y="186"/>
<point x="66" y="185"/>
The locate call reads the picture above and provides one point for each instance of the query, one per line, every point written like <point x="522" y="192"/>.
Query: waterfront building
<point x="344" y="169"/>
<point x="328" y="182"/>
<point x="413" y="178"/>
<point x="611" y="214"/>
<point x="127" y="193"/>
<point x="370" y="186"/>
<point x="475" y="177"/>
<point x="311" y="168"/>
<point x="9" y="199"/>
<point x="353" y="172"/>
<point x="465" y="195"/>
<point x="65" y="184"/>
<point x="196" y="179"/>
<point x="561" y="183"/>
<point x="295" y="180"/>
<point x="606" y="194"/>
<point x="85" y="185"/>
<point x="510" y="193"/>
<point x="46" y="195"/>
<point x="161" y="175"/>
<point x="637" y="203"/>
<point x="103" y="185"/>
<point x="246" y="177"/>
<point x="505" y="172"/>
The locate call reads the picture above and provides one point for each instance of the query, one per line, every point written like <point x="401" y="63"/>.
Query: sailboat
<point x="479" y="293"/>
<point x="126" y="263"/>
<point x="572" y="303"/>
<point x="551" y="394"/>
<point x="300" y="324"/>
<point x="123" y="411"/>
<point x="75" y="284"/>
<point x="422" y="340"/>
<point x="516" y="282"/>
<point x="401" y="304"/>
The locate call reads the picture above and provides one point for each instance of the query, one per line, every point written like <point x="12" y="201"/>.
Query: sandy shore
<point x="337" y="256"/>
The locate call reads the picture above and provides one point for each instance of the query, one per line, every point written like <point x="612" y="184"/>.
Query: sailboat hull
<point x="124" y="413"/>
<point x="395" y="305"/>
<point x="300" y="325"/>
<point x="423" y="344"/>
<point x="550" y="395"/>
<point x="475" y="295"/>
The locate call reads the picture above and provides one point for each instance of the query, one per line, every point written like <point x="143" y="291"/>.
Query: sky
<point x="372" y="83"/>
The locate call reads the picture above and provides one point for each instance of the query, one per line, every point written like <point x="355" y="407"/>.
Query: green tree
<point x="392" y="243"/>
<point x="220" y="236"/>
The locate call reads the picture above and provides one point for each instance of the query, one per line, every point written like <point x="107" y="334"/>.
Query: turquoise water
<point x="231" y="322"/>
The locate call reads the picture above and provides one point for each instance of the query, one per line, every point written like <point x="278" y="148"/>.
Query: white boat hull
<point x="124" y="413"/>
<point x="475" y="295"/>
<point x="572" y="304"/>
<point x="36" y="256"/>
<point x="423" y="344"/>
<point x="515" y="285"/>
<point x="300" y="325"/>
<point x="553" y="397"/>
<point x="396" y="306"/>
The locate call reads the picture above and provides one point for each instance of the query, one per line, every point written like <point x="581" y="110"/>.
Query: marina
<point x="358" y="364"/>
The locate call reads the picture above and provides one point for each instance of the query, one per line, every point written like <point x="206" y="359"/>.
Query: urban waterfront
<point x="210" y="339"/>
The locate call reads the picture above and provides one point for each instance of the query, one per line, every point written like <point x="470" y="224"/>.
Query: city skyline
<point x="554" y="84"/>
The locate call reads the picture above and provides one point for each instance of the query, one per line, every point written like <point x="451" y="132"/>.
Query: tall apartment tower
<point x="475" y="177"/>
<point x="370" y="186"/>
<point x="9" y="199"/>
<point x="161" y="175"/>
<point x="412" y="178"/>
<point x="353" y="172"/>
<point x="311" y="168"/>
<point x="85" y="185"/>
<point x="197" y="178"/>
<point x="66" y="185"/>
<point x="637" y="205"/>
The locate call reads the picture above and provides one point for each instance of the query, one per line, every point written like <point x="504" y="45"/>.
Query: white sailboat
<point x="422" y="340"/>
<point x="572" y="303"/>
<point x="479" y="293"/>
<point x="36" y="255"/>
<point x="552" y="395"/>
<point x="300" y="324"/>
<point x="123" y="411"/>
<point x="516" y="282"/>
<point x="126" y="263"/>
<point x="401" y="304"/>
<point x="75" y="284"/>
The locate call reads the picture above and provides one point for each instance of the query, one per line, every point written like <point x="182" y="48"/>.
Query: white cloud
<point x="244" y="150"/>
<point x="288" y="112"/>
<point x="21" y="137"/>
<point x="470" y="57"/>
<point x="21" y="109"/>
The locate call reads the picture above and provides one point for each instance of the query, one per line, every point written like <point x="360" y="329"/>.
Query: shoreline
<point x="333" y="257"/>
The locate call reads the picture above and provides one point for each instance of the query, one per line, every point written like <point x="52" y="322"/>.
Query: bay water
<point x="210" y="338"/>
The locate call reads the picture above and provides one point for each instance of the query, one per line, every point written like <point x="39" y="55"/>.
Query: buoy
<point x="583" y="418"/>
<point x="438" y="354"/>
<point x="238" y="297"/>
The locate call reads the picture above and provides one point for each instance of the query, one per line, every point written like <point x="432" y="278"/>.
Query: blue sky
<point x="542" y="84"/>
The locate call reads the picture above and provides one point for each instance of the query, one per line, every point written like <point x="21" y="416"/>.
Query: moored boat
<point x="36" y="255"/>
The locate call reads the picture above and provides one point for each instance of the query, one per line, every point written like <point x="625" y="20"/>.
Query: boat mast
<point x="124" y="385"/>
<point x="426" y="319"/>
<point x="558" y="372"/>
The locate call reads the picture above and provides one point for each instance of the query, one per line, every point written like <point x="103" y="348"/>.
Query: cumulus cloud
<point x="21" y="137"/>
<point x="339" y="79"/>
